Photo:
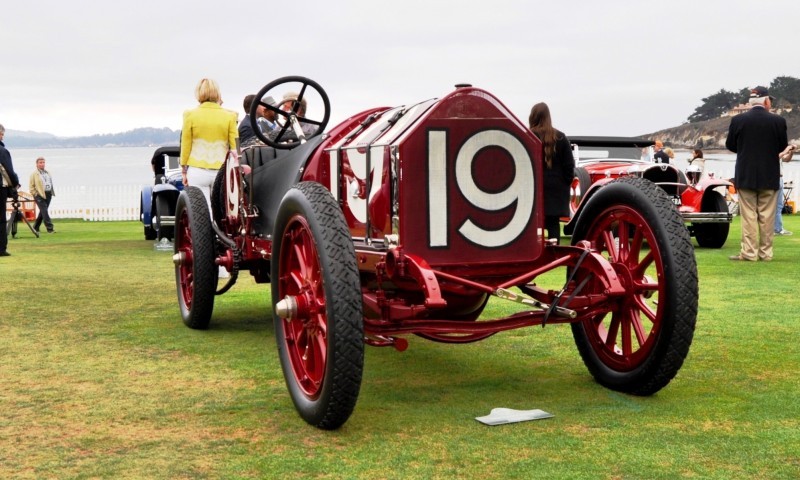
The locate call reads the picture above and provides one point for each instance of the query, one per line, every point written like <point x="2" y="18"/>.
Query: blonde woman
<point x="209" y="132"/>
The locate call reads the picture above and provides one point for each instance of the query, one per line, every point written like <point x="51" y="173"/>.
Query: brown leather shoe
<point x="739" y="258"/>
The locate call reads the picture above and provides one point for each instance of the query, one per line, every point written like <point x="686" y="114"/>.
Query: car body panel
<point x="488" y="215"/>
<point x="607" y="158"/>
<point x="167" y="185"/>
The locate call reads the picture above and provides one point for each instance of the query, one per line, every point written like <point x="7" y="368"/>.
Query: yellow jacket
<point x="36" y="185"/>
<point x="209" y="131"/>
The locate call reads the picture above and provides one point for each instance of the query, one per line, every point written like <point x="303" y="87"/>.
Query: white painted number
<point x="521" y="189"/>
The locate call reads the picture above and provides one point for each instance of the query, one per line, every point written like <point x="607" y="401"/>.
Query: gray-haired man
<point x="760" y="141"/>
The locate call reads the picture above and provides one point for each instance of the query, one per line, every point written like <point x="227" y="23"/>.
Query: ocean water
<point x="95" y="184"/>
<point x="84" y="167"/>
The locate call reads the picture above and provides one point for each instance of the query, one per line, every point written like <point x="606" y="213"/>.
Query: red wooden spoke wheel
<point x="316" y="295"/>
<point x="624" y="337"/>
<point x="305" y="338"/>
<point x="195" y="270"/>
<point x="638" y="344"/>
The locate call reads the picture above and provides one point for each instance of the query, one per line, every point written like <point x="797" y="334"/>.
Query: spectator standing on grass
<point x="9" y="182"/>
<point x="779" y="230"/>
<point x="41" y="187"/>
<point x="558" y="169"/>
<point x="779" y="209"/>
<point x="209" y="133"/>
<point x="759" y="140"/>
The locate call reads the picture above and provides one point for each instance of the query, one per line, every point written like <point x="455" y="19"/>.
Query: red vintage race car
<point x="599" y="160"/>
<point x="406" y="221"/>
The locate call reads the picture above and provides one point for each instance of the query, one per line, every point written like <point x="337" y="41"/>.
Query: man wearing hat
<point x="265" y="119"/>
<point x="660" y="156"/>
<point x="290" y="103"/>
<point x="758" y="138"/>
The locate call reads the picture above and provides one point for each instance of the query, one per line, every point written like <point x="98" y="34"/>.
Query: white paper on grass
<point x="501" y="416"/>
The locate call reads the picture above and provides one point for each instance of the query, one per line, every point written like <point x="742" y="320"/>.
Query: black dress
<point x="557" y="181"/>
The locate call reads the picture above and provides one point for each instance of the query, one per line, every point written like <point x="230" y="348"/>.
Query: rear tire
<point x="640" y="342"/>
<point x="712" y="235"/>
<point x="218" y="196"/>
<point x="196" y="275"/>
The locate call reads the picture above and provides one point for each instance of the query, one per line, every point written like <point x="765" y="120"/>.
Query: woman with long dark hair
<point x="559" y="166"/>
<point x="698" y="160"/>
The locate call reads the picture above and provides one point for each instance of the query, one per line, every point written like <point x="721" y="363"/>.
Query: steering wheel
<point x="287" y="135"/>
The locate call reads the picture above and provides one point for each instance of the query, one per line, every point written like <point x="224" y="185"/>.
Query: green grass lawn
<point x="99" y="378"/>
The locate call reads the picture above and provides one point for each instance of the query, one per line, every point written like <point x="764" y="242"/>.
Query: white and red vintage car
<point x="599" y="160"/>
<point x="406" y="221"/>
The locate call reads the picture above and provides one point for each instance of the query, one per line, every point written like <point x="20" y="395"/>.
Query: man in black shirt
<point x="758" y="138"/>
<point x="660" y="156"/>
<point x="8" y="185"/>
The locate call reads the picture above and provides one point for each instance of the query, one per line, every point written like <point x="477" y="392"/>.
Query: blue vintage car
<point x="157" y="207"/>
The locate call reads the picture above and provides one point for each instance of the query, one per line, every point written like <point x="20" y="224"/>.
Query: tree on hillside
<point x="714" y="106"/>
<point x="786" y="91"/>
<point x="786" y="88"/>
<point x="744" y="95"/>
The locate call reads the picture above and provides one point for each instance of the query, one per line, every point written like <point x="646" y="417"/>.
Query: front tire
<point x="195" y="272"/>
<point x="640" y="342"/>
<point x="145" y="215"/>
<point x="321" y="347"/>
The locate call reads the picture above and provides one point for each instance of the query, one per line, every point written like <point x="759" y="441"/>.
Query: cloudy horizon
<point x="612" y="68"/>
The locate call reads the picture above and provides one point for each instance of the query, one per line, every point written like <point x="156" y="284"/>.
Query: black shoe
<point x="5" y="254"/>
<point x="51" y="231"/>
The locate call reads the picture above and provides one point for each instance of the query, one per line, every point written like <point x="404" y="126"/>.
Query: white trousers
<point x="202" y="178"/>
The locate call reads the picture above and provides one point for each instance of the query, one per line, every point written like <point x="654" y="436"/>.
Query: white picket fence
<point x="97" y="203"/>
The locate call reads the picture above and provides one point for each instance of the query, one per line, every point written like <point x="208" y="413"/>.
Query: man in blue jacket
<point x="8" y="185"/>
<point x="758" y="138"/>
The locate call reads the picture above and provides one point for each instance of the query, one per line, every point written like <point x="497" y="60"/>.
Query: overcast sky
<point x="604" y="67"/>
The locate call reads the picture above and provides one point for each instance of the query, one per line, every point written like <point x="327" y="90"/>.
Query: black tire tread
<point x="681" y="302"/>
<point x="149" y="231"/>
<point x="218" y="196"/>
<point x="345" y="321"/>
<point x="712" y="235"/>
<point x="198" y="316"/>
